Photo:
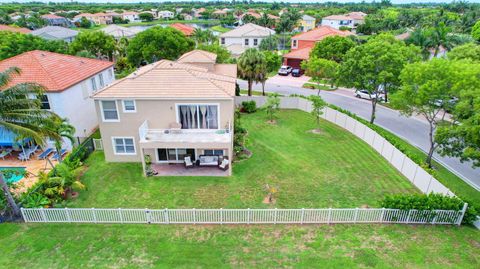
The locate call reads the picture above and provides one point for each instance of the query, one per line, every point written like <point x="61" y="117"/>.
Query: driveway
<point x="288" y="80"/>
<point x="412" y="129"/>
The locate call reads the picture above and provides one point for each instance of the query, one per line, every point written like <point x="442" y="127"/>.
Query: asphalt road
<point x="412" y="129"/>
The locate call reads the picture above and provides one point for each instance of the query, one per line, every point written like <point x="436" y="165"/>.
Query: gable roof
<point x="167" y="79"/>
<point x="308" y="18"/>
<point x="302" y="54"/>
<point x="320" y="33"/>
<point x="55" y="32"/>
<point x="119" y="31"/>
<point x="9" y="28"/>
<point x="198" y="56"/>
<point x="249" y="29"/>
<point x="54" y="71"/>
<point x="185" y="29"/>
<point x="52" y="16"/>
<point x="337" y="18"/>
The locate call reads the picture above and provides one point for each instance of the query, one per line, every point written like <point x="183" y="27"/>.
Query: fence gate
<point x="97" y="144"/>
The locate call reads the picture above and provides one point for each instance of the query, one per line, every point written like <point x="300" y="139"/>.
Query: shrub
<point x="249" y="106"/>
<point x="429" y="202"/>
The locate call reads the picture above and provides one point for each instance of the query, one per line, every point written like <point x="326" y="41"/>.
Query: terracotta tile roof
<point x="9" y="28"/>
<point x="226" y="70"/>
<point x="320" y="33"/>
<point x="337" y="18"/>
<point x="198" y="56"/>
<point x="185" y="29"/>
<point x="56" y="72"/>
<point x="403" y="36"/>
<point x="302" y="54"/>
<point x="357" y="15"/>
<point x="167" y="79"/>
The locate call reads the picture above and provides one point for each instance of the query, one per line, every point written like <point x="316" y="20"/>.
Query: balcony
<point x="176" y="136"/>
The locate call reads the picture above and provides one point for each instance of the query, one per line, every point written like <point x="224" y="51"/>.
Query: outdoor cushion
<point x="208" y="160"/>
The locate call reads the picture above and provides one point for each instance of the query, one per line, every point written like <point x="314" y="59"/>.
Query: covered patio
<point x="179" y="169"/>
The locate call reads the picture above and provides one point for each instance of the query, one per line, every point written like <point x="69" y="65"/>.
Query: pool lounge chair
<point x="45" y="153"/>
<point x="58" y="156"/>
<point x="23" y="157"/>
<point x="5" y="153"/>
<point x="31" y="151"/>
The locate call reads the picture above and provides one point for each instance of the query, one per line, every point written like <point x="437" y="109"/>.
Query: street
<point x="412" y="129"/>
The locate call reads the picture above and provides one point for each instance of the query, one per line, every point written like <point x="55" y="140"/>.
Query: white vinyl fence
<point x="97" y="144"/>
<point x="243" y="216"/>
<point x="412" y="171"/>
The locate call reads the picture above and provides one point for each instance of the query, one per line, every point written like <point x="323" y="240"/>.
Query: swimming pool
<point x="14" y="177"/>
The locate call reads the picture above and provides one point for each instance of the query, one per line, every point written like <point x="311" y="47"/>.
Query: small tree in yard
<point x="426" y="90"/>
<point x="272" y="106"/>
<point x="320" y="69"/>
<point x="318" y="105"/>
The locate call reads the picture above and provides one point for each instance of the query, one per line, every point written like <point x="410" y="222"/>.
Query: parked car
<point x="285" y="70"/>
<point x="366" y="95"/>
<point x="296" y="72"/>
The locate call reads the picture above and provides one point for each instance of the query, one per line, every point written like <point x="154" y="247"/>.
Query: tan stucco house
<point x="171" y="110"/>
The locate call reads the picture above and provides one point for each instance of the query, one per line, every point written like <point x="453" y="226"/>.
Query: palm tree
<point x="203" y="36"/>
<point x="62" y="129"/>
<point x="262" y="75"/>
<point x="250" y="65"/>
<point x="265" y="21"/>
<point x="439" y="37"/>
<point x="419" y="38"/>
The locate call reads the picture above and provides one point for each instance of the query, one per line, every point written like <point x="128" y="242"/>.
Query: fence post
<point x="194" y="217"/>
<point x="303" y="216"/>
<point x="43" y="214"/>
<point x="147" y="215"/>
<point x="408" y="217"/>
<point x="69" y="219"/>
<point x="383" y="215"/>
<point x="329" y="215"/>
<point x="94" y="215"/>
<point x="464" y="209"/>
<point x="23" y="214"/>
<point x="120" y="215"/>
<point x="275" y="216"/>
<point x="165" y="214"/>
<point x="248" y="215"/>
<point x="221" y="216"/>
<point x="356" y="215"/>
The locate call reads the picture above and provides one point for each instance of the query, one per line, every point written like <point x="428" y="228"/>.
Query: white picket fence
<point x="242" y="216"/>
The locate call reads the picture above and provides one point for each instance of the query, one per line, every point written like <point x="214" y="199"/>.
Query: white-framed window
<point x="44" y="103"/>
<point x="246" y="41"/>
<point x="213" y="152"/>
<point x="102" y="82"/>
<point x="255" y="41"/>
<point x="109" y="110"/>
<point x="94" y="84"/>
<point x="129" y="106"/>
<point x="294" y="43"/>
<point x="198" y="116"/>
<point x="124" y="146"/>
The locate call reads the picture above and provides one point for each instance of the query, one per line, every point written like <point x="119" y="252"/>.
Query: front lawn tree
<point x="272" y="106"/>
<point x="376" y="65"/>
<point x="157" y="43"/>
<point x="333" y="48"/>
<point x="97" y="43"/>
<point x="250" y="66"/>
<point x="318" y="104"/>
<point x="320" y="69"/>
<point x="426" y="90"/>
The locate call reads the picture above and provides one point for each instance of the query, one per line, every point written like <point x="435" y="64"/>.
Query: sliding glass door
<point x="198" y="116"/>
<point x="174" y="155"/>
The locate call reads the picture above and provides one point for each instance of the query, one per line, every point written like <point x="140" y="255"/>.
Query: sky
<point x="291" y="1"/>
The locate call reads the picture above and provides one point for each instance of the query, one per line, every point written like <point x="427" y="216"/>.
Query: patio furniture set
<point x="26" y="153"/>
<point x="204" y="160"/>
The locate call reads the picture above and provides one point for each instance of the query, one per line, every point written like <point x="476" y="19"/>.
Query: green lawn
<point x="332" y="169"/>
<point x="157" y="246"/>
<point x="254" y="93"/>
<point x="220" y="29"/>
<point x="315" y="86"/>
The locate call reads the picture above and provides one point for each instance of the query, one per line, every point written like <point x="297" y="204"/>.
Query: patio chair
<point x="58" y="155"/>
<point x="45" y="153"/>
<point x="31" y="151"/>
<point x="23" y="157"/>
<point x="224" y="165"/>
<point x="5" y="153"/>
<point x="188" y="162"/>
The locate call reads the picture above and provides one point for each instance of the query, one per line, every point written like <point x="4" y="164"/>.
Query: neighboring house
<point x="56" y="33"/>
<point x="219" y="13"/>
<point x="131" y="16"/>
<point x="68" y="82"/>
<point x="337" y="21"/>
<point x="185" y="29"/>
<point x="97" y="18"/>
<point x="14" y="29"/>
<point x="246" y="36"/>
<point x="169" y="110"/>
<point x="166" y="14"/>
<point x="307" y="23"/>
<point x="302" y="44"/>
<point x="55" y="20"/>
<point x="197" y="13"/>
<point x="358" y="17"/>
<point x="187" y="17"/>
<point x="119" y="31"/>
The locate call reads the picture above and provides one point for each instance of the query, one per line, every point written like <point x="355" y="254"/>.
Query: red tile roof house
<point x="68" y="81"/>
<point x="303" y="43"/>
<point x="185" y="29"/>
<point x="14" y="29"/>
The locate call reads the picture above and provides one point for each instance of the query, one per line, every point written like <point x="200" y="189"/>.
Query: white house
<point x="337" y="21"/>
<point x="68" y="82"/>
<point x="246" y="36"/>
<point x="131" y="16"/>
<point x="56" y="33"/>
<point x="166" y="14"/>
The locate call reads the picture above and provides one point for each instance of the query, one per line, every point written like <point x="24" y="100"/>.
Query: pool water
<point x="13" y="177"/>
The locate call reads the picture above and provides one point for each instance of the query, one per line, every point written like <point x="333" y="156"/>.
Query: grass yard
<point x="220" y="29"/>
<point x="315" y="86"/>
<point x="155" y="246"/>
<point x="332" y="169"/>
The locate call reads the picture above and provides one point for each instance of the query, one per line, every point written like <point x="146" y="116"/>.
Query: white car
<point x="285" y="70"/>
<point x="366" y="95"/>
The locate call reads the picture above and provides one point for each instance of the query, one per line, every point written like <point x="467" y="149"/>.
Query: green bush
<point x="429" y="202"/>
<point x="249" y="106"/>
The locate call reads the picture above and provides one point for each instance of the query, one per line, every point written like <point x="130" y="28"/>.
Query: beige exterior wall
<point x="159" y="114"/>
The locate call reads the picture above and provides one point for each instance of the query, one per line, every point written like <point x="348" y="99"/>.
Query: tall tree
<point x="223" y="55"/>
<point x="320" y="69"/>
<point x="468" y="51"/>
<point x="332" y="48"/>
<point x="62" y="129"/>
<point x="426" y="90"/>
<point x="269" y="43"/>
<point x="476" y="31"/>
<point x="158" y="43"/>
<point x="250" y="65"/>
<point x="265" y="21"/>
<point x="376" y="65"/>
<point x="12" y="44"/>
<point x="203" y="36"/>
<point x="97" y="43"/>
<point x="439" y="37"/>
<point x="288" y="22"/>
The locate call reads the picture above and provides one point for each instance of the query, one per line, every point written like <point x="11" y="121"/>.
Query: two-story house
<point x="338" y="21"/>
<point x="306" y="23"/>
<point x="246" y="36"/>
<point x="68" y="82"/>
<point x="56" y="33"/>
<point x="131" y="16"/>
<point x="167" y="111"/>
<point x="303" y="43"/>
